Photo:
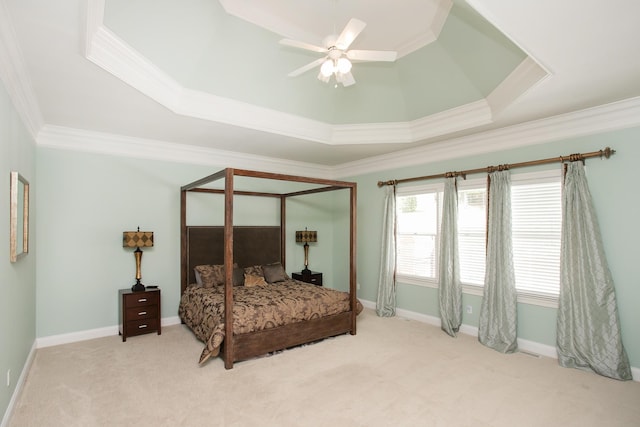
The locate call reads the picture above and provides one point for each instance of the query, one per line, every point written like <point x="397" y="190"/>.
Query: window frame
<point x="416" y="190"/>
<point x="525" y="297"/>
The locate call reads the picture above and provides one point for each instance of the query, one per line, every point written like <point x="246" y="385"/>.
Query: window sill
<point x="543" y="300"/>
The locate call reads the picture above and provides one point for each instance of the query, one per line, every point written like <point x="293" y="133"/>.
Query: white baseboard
<point x="19" y="385"/>
<point x="526" y="346"/>
<point x="91" y="334"/>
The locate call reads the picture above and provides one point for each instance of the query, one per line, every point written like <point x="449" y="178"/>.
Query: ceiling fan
<point x="337" y="59"/>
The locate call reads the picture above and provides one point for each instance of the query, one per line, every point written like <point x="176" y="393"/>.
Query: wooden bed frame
<point x="245" y="346"/>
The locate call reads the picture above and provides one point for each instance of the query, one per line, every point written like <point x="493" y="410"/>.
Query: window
<point x="536" y="221"/>
<point x="418" y="220"/>
<point x="472" y="230"/>
<point x="536" y="227"/>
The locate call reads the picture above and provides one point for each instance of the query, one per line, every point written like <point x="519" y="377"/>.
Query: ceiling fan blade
<point x="307" y="67"/>
<point x="303" y="45"/>
<point x="346" y="79"/>
<point x="349" y="34"/>
<point x="372" y="55"/>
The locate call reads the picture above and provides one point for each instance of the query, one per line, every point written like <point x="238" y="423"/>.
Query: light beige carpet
<point x="394" y="372"/>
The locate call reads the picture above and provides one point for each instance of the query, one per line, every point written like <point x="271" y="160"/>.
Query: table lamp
<point x="306" y="237"/>
<point x="136" y="239"/>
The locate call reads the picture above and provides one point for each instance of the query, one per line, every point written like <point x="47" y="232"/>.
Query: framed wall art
<point x="19" y="217"/>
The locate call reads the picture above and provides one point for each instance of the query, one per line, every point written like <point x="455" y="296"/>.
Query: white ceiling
<point x="62" y="51"/>
<point x="313" y="20"/>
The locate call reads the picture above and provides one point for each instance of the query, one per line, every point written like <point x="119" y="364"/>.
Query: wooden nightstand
<point x="139" y="312"/>
<point x="308" y="276"/>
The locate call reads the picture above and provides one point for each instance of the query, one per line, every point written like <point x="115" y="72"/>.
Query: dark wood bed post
<point x="184" y="273"/>
<point x="228" y="266"/>
<point x="283" y="231"/>
<point x="352" y="259"/>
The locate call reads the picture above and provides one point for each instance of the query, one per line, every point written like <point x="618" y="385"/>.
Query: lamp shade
<point x="137" y="239"/>
<point x="306" y="236"/>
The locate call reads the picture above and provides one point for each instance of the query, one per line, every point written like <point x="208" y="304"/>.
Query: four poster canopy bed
<point x="235" y="294"/>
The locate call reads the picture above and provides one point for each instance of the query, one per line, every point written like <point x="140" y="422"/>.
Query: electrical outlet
<point x="358" y="285"/>
<point x="469" y="309"/>
<point x="8" y="377"/>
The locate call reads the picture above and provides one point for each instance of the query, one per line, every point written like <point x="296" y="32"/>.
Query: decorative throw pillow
<point x="250" y="280"/>
<point x="211" y="274"/>
<point x="274" y="273"/>
<point x="254" y="270"/>
<point x="238" y="276"/>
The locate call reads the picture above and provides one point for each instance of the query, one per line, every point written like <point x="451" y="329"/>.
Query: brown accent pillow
<point x="211" y="274"/>
<point x="274" y="273"/>
<point x="238" y="276"/>
<point x="250" y="280"/>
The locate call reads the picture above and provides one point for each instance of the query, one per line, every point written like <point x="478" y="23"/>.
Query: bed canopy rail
<point x="229" y="192"/>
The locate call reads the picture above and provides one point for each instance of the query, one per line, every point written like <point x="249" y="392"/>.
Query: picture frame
<point x="19" y="217"/>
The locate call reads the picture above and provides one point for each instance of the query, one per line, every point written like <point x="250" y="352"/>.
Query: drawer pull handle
<point x="142" y="313"/>
<point x="142" y="300"/>
<point x="142" y="326"/>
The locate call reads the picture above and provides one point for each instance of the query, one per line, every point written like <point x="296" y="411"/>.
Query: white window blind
<point x="472" y="230"/>
<point x="536" y="204"/>
<point x="418" y="220"/>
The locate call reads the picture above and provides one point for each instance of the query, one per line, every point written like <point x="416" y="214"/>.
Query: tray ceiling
<point x="212" y="75"/>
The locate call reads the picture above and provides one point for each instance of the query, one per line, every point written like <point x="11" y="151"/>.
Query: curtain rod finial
<point x="607" y="152"/>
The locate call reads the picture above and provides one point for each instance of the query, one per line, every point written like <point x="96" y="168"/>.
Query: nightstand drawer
<point x="138" y="299"/>
<point x="142" y="312"/>
<point x="313" y="277"/>
<point x="143" y="326"/>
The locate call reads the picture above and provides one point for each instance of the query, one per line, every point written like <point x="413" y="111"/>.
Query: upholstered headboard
<point x="258" y="245"/>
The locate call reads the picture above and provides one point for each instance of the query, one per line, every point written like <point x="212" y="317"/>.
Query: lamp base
<point x="138" y="287"/>
<point x="305" y="270"/>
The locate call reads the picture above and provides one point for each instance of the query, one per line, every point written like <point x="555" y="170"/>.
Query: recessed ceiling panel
<point x="207" y="47"/>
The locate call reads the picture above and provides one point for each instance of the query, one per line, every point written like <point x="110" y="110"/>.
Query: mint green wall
<point x="613" y="185"/>
<point x="88" y="200"/>
<point x="17" y="280"/>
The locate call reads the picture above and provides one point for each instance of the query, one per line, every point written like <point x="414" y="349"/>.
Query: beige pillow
<point x="254" y="270"/>
<point x="250" y="280"/>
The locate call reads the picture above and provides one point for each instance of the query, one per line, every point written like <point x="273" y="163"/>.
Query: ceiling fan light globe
<point x="344" y="65"/>
<point x="327" y="68"/>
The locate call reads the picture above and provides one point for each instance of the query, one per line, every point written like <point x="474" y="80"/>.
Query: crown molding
<point x="114" y="55"/>
<point x="605" y="118"/>
<point x="65" y="138"/>
<point x="521" y="80"/>
<point x="13" y="73"/>
<point x="609" y="117"/>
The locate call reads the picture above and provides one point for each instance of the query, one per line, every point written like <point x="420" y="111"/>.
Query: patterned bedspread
<point x="256" y="308"/>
